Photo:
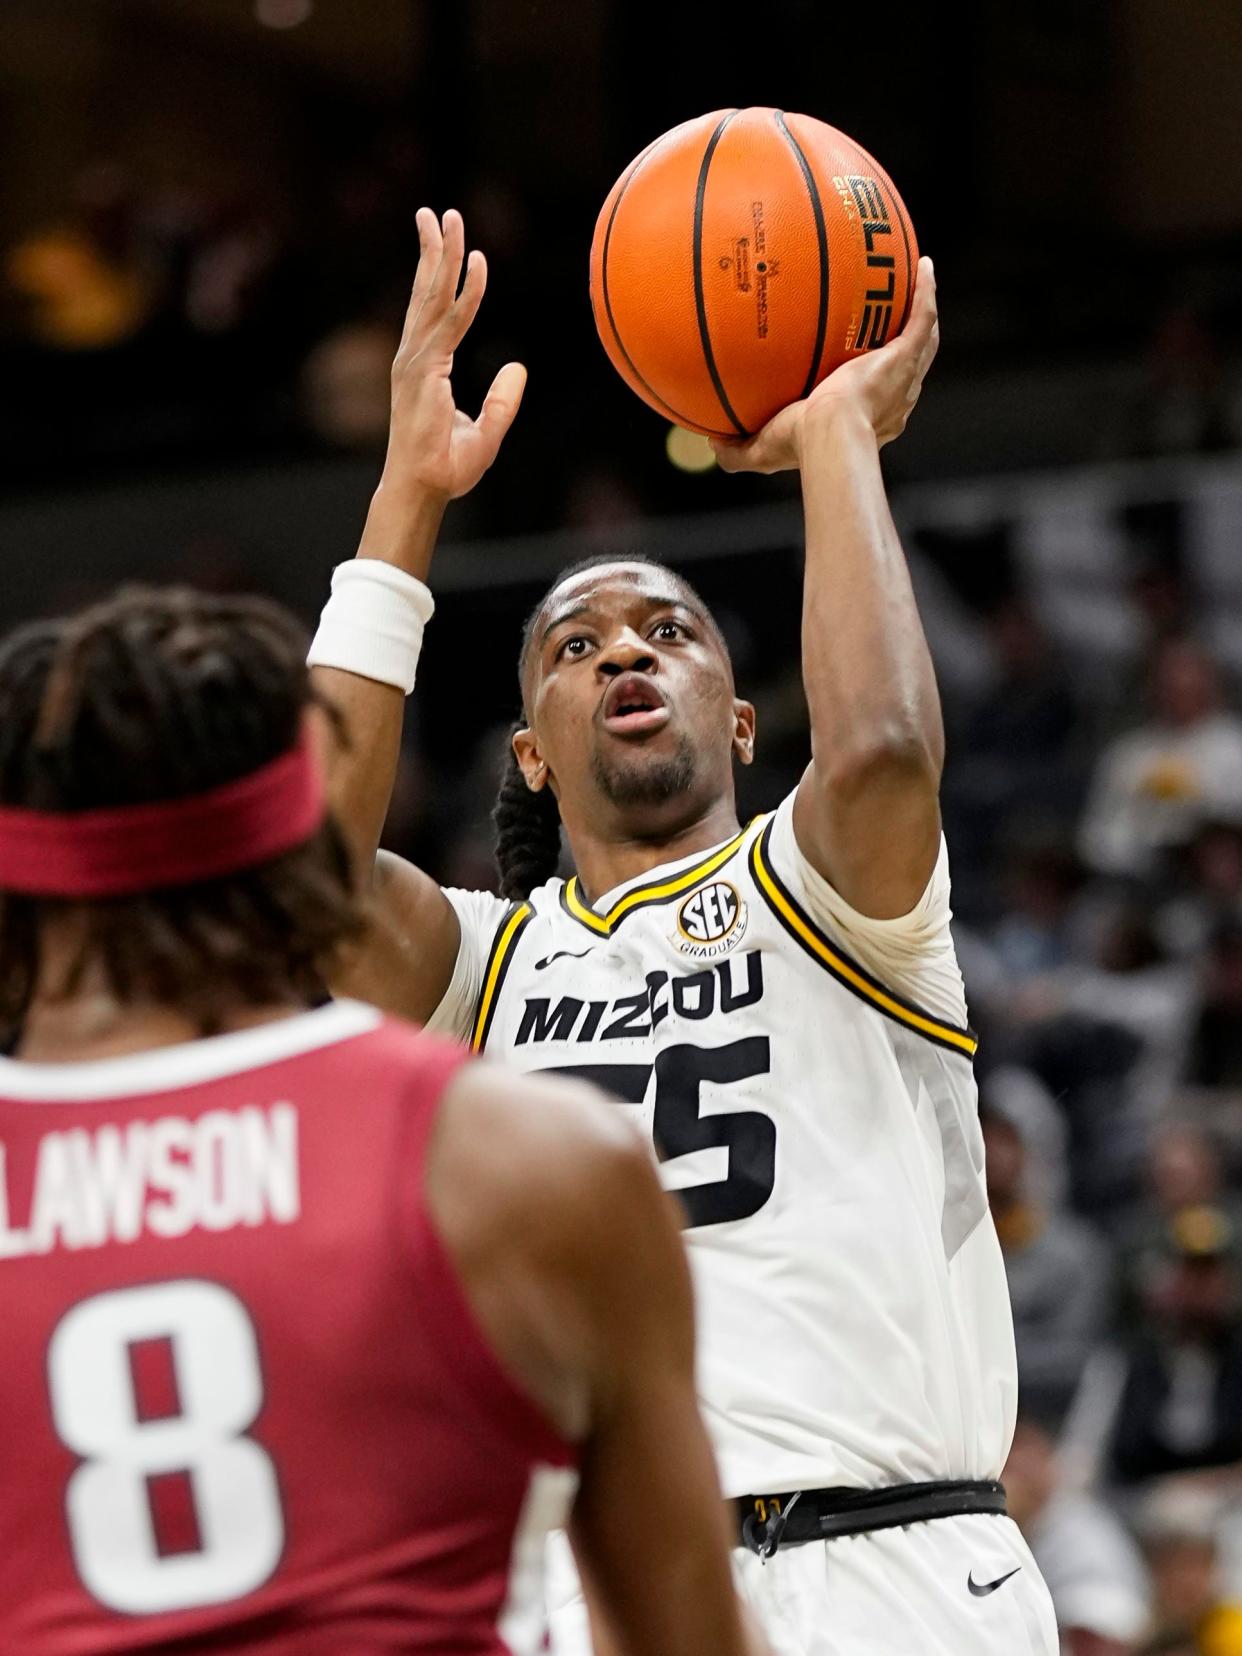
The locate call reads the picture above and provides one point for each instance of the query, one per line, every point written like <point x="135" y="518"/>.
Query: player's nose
<point x="626" y="652"/>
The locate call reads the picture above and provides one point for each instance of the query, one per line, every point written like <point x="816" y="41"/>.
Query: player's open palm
<point x="433" y="444"/>
<point x="883" y="385"/>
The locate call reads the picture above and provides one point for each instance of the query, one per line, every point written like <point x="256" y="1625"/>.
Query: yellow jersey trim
<point x="812" y="939"/>
<point x="507" y="934"/>
<point x="659" y="892"/>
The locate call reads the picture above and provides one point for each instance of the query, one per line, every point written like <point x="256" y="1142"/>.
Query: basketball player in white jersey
<point x="779" y="1004"/>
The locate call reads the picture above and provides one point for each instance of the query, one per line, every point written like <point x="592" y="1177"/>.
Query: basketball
<point x="740" y="259"/>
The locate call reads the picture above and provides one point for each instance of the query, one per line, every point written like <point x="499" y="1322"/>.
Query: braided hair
<point x="157" y="694"/>
<point x="527" y="823"/>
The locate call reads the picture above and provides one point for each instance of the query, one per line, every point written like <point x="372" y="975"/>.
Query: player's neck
<point x="75" y="1016"/>
<point x="85" y="1021"/>
<point x="604" y="863"/>
<point x="91" y="1027"/>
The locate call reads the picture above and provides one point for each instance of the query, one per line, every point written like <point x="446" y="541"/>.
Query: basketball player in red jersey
<point x="311" y="1326"/>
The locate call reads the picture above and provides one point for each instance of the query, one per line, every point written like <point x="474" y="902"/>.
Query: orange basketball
<point x="741" y="258"/>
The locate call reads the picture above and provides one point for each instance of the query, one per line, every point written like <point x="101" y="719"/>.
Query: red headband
<point x="119" y="851"/>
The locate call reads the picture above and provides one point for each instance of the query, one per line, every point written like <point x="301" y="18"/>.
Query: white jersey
<point x="805" y="1074"/>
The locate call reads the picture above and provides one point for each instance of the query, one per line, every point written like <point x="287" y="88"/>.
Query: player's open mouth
<point x="633" y="706"/>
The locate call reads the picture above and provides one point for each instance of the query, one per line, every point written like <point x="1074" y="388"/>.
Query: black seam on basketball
<point x="821" y="236"/>
<point x="679" y="419"/>
<point x="699" y="303"/>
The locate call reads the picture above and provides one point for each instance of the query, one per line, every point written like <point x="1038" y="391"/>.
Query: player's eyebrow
<point x="651" y="600"/>
<point x="582" y="607"/>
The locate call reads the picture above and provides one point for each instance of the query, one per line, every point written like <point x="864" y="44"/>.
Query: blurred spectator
<point x="1193" y="1612"/>
<point x="346" y="385"/>
<point x="1185" y="1169"/>
<point x="1185" y="406"/>
<point x="1211" y="889"/>
<point x="1134" y="986"/>
<point x="1170" y="1400"/>
<point x="1094" y="1569"/>
<point x="1013" y="744"/>
<point x="1058" y="1271"/>
<point x="85" y="281"/>
<point x="1155" y="786"/>
<point x="1021" y="1099"/>
<point x="1035" y="934"/>
<point x="1105" y="1033"/>
<point x="1017" y="737"/>
<point x="232" y="254"/>
<point x="1214" y="1049"/>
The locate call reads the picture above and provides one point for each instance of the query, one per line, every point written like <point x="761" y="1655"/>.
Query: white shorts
<point x="895" y="1592"/>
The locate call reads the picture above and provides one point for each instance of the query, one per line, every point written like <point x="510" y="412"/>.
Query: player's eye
<point x="668" y="631"/>
<point x="575" y="648"/>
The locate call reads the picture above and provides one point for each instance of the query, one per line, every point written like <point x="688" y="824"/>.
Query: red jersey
<point x="246" y="1407"/>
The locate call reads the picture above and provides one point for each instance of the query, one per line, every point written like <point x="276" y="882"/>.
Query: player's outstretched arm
<point x="573" y="1261"/>
<point x="867" y="813"/>
<point x="435" y="454"/>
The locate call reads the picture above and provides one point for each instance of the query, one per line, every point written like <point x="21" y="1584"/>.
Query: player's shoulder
<point x="555" y="1123"/>
<point x="482" y="914"/>
<point x="550" y="1155"/>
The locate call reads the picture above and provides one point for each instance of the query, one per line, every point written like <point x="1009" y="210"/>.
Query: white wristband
<point x="373" y="623"/>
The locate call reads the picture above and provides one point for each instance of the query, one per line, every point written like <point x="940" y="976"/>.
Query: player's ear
<point x="530" y="762"/>
<point x="743" y="730"/>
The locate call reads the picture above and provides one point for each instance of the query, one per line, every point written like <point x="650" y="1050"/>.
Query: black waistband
<point x="766" y="1522"/>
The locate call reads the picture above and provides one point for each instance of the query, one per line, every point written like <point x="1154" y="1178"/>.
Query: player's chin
<point x="650" y="772"/>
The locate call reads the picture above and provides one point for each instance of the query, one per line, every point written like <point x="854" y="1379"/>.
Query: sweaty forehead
<point x="610" y="587"/>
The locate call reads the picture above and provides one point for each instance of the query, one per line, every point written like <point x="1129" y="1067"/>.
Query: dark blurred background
<point x="206" y="241"/>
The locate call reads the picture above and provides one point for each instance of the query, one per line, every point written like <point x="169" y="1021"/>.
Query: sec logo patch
<point x="710" y="922"/>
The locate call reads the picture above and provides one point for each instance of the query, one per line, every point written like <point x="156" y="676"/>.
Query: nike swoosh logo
<point x="981" y="1590"/>
<point x="562" y="954"/>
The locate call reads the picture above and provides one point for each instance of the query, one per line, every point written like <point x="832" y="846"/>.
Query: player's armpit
<point x="404" y="962"/>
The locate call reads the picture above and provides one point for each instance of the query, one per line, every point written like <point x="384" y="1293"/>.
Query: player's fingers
<point x="443" y="290"/>
<point x="929" y="354"/>
<point x="471" y="297"/>
<point x="730" y="456"/>
<point x="741" y="455"/>
<point x="922" y="330"/>
<point x="927" y="276"/>
<point x="501" y="403"/>
<point x="429" y="249"/>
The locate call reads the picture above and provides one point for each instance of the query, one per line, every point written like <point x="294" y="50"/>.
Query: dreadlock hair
<point x="527" y="824"/>
<point x="153" y="695"/>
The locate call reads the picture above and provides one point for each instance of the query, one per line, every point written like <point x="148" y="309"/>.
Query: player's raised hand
<point x="432" y="444"/>
<point x="882" y="386"/>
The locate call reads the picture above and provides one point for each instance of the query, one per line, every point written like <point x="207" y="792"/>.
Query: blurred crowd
<point x="154" y="316"/>
<point x="159" y="319"/>
<point x="1102" y="948"/>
